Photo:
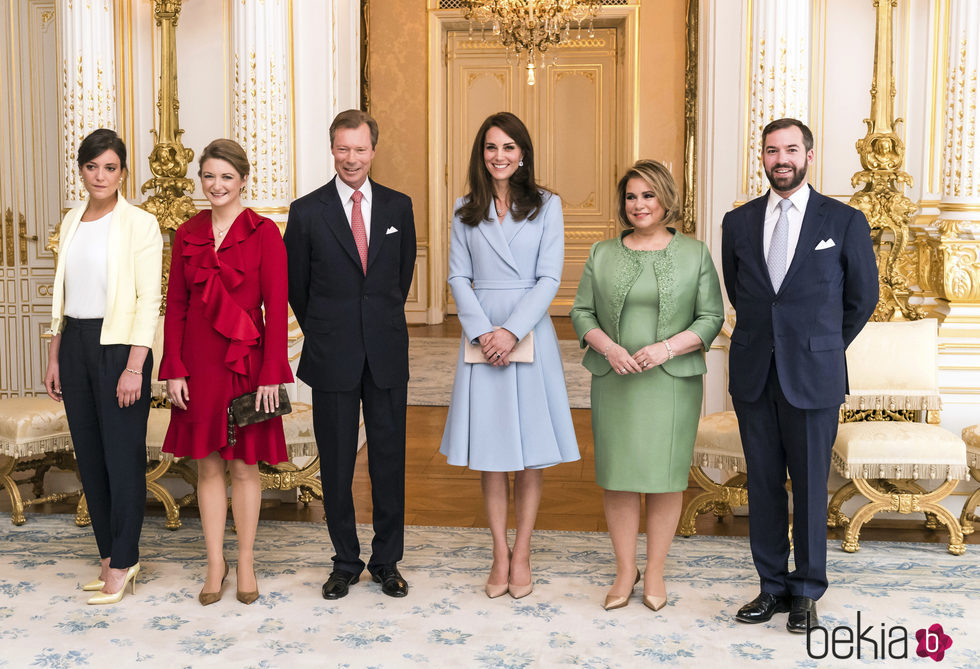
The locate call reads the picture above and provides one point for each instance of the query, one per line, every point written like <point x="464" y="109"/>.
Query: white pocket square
<point x="825" y="244"/>
<point x="391" y="230"/>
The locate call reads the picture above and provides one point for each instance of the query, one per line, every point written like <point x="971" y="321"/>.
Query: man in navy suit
<point x="800" y="272"/>
<point x="351" y="252"/>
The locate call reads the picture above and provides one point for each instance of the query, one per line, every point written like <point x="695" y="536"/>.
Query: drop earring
<point x="520" y="163"/>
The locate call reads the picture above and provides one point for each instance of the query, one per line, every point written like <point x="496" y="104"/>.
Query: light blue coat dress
<point x="506" y="274"/>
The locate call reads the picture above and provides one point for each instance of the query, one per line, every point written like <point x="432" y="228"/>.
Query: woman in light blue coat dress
<point x="505" y="263"/>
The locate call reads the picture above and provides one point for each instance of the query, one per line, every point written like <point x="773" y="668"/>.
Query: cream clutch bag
<point x="523" y="352"/>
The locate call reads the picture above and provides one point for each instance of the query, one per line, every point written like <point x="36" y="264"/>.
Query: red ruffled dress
<point x="214" y="334"/>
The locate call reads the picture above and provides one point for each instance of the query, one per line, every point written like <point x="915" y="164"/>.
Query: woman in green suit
<point x="648" y="306"/>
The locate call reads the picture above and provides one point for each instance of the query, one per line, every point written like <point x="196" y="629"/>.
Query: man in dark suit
<point x="800" y="272"/>
<point x="351" y="250"/>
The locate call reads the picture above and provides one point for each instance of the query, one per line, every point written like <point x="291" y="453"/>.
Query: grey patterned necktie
<point x="776" y="261"/>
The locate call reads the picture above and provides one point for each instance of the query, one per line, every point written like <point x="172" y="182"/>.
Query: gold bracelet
<point x="670" y="351"/>
<point x="137" y="372"/>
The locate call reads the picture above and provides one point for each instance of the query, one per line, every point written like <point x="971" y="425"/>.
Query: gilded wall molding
<point x="88" y="78"/>
<point x="689" y="221"/>
<point x="779" y="75"/>
<point x="261" y="99"/>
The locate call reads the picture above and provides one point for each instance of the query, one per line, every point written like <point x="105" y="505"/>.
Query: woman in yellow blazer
<point x="104" y="311"/>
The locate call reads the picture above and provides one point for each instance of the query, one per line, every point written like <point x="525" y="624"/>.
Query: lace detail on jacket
<point x="629" y="264"/>
<point x="665" y="270"/>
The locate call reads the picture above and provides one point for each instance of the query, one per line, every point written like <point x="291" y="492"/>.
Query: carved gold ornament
<point x="883" y="198"/>
<point x="170" y="202"/>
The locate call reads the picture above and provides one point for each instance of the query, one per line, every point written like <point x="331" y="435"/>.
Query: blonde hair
<point x="661" y="182"/>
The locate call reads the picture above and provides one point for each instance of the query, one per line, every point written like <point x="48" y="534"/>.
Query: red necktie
<point x="357" y="227"/>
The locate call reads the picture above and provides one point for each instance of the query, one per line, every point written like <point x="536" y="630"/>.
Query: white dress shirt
<point x="794" y="215"/>
<point x="345" y="192"/>
<point x="86" y="269"/>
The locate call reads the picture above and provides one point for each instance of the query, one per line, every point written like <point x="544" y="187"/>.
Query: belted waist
<point x="492" y="284"/>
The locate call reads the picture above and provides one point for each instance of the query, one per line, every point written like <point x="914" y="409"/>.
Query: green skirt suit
<point x="644" y="424"/>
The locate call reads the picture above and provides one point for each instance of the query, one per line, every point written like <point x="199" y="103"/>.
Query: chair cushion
<point x="298" y="427"/>
<point x="893" y="449"/>
<point x="32" y="426"/>
<point x="156" y="432"/>
<point x="893" y="366"/>
<point x="971" y="435"/>
<point x="718" y="444"/>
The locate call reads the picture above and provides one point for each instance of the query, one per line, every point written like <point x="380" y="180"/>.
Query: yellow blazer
<point x="133" y="271"/>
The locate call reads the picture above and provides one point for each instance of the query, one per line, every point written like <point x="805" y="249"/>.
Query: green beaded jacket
<point x="690" y="297"/>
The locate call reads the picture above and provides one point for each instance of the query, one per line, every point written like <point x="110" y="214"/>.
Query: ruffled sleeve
<point x="171" y="365"/>
<point x="274" y="287"/>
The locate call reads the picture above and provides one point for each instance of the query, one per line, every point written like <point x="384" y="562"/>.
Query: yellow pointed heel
<point x="208" y="598"/>
<point x="94" y="586"/>
<point x="116" y="597"/>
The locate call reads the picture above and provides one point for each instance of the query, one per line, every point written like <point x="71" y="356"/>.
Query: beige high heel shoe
<point x="519" y="591"/>
<point x="93" y="586"/>
<point x="114" y="598"/>
<point x="618" y="602"/>
<point x="207" y="598"/>
<point x="654" y="603"/>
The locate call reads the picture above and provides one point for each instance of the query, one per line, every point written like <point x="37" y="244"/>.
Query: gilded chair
<point x="717" y="446"/>
<point x="33" y="437"/>
<point x="971" y="436"/>
<point x="883" y="446"/>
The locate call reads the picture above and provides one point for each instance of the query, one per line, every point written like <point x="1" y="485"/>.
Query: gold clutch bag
<point x="523" y="352"/>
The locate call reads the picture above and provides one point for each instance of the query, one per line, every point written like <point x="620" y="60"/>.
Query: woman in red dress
<point x="227" y="265"/>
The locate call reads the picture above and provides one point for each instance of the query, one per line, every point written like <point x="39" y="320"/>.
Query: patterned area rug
<point x="446" y="620"/>
<point x="432" y="362"/>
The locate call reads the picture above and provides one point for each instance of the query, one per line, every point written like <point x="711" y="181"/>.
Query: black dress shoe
<point x="339" y="583"/>
<point x="760" y="609"/>
<point x="392" y="583"/>
<point x="802" y="615"/>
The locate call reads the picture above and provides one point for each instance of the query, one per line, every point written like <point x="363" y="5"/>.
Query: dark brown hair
<point x="525" y="194"/>
<point x="98" y="142"/>
<point x="227" y="150"/>
<point x="353" y="119"/>
<point x="781" y="123"/>
<point x="661" y="182"/>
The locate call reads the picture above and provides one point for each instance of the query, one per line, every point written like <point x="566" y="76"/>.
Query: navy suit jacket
<point x="825" y="299"/>
<point x="348" y="317"/>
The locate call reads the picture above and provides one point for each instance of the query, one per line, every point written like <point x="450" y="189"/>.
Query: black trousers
<point x="110" y="443"/>
<point x="777" y="436"/>
<point x="335" y="424"/>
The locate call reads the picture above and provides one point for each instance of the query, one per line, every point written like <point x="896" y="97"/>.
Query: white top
<point x="86" y="263"/>
<point x="795" y="216"/>
<point x="346" y="192"/>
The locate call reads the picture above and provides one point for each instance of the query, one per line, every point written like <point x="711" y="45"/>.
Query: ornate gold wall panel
<point x="30" y="186"/>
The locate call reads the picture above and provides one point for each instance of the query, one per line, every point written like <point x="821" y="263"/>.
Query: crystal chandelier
<point x="530" y="27"/>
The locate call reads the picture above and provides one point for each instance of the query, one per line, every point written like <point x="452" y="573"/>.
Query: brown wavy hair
<point x="525" y="194"/>
<point x="227" y="150"/>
